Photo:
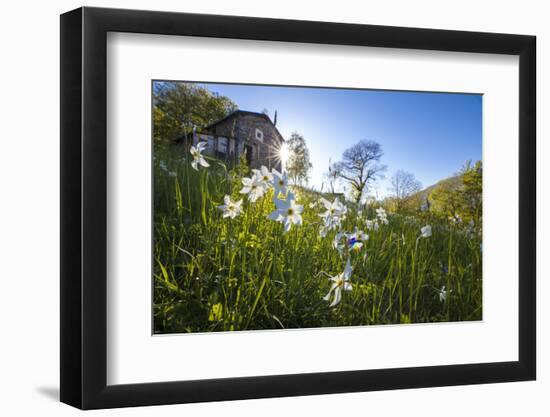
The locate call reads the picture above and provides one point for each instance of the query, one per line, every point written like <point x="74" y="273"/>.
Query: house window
<point x="222" y="145"/>
<point x="210" y="145"/>
<point x="259" y="135"/>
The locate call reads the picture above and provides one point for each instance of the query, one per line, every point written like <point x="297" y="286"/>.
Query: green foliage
<point x="460" y="198"/>
<point x="220" y="274"/>
<point x="178" y="107"/>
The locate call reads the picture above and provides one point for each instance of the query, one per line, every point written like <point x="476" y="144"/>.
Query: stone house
<point x="243" y="133"/>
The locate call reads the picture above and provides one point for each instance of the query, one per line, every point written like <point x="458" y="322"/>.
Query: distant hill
<point x="451" y="182"/>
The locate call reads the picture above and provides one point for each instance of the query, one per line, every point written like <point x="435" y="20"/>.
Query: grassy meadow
<point x="254" y="270"/>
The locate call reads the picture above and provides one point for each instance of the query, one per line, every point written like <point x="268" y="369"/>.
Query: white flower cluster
<point x="231" y="209"/>
<point x="381" y="218"/>
<point x="333" y="216"/>
<point x="287" y="211"/>
<point x="382" y="215"/>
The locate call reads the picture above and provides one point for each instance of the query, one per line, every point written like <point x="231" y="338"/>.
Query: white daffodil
<point x="287" y="212"/>
<point x="333" y="209"/>
<point x="360" y="235"/>
<point x="333" y="215"/>
<point x="340" y="282"/>
<point x="264" y="175"/>
<point x="231" y="209"/>
<point x="279" y="182"/>
<point x="163" y="166"/>
<point x="382" y="215"/>
<point x="198" y="159"/>
<point x="376" y="226"/>
<point x="426" y="231"/>
<point x="253" y="187"/>
<point x="443" y="294"/>
<point x="369" y="224"/>
<point x="356" y="240"/>
<point x="337" y="244"/>
<point x="380" y="212"/>
<point x="353" y="241"/>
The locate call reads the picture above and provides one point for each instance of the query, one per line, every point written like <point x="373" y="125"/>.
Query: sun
<point x="283" y="154"/>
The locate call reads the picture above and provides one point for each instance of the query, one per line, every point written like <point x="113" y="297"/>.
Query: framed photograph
<point x="257" y="208"/>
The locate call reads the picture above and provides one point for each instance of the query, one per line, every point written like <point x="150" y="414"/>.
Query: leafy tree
<point x="472" y="180"/>
<point x="298" y="163"/>
<point x="460" y="197"/>
<point x="360" y="166"/>
<point x="404" y="186"/>
<point x="331" y="176"/>
<point x="446" y="199"/>
<point x="178" y="107"/>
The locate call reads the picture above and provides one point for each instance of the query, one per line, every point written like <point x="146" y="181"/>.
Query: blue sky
<point x="428" y="134"/>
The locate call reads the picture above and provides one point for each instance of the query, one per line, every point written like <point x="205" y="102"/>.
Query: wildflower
<point x="376" y="226"/>
<point x="443" y="294"/>
<point x="253" y="187"/>
<point x="370" y="224"/>
<point x="426" y="231"/>
<point x="334" y="209"/>
<point x="333" y="215"/>
<point x="340" y="282"/>
<point x="355" y="245"/>
<point x="382" y="215"/>
<point x="163" y="166"/>
<point x="279" y="182"/>
<point x="356" y="240"/>
<point x="264" y="176"/>
<point x="231" y="209"/>
<point x="360" y="235"/>
<point x="287" y="212"/>
<point x="198" y="159"/>
<point x="336" y="243"/>
<point x="353" y="241"/>
<point x="455" y="219"/>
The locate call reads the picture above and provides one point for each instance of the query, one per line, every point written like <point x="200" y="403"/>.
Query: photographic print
<point x="291" y="207"/>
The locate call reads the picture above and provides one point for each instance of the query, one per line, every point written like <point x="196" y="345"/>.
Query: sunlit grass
<point x="220" y="274"/>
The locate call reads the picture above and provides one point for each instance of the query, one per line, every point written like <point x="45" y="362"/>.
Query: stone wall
<point x="242" y="127"/>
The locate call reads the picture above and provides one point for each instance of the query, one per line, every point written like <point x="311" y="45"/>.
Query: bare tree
<point x="360" y="166"/>
<point x="403" y="186"/>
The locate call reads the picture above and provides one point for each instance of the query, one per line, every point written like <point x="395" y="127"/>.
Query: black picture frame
<point x="84" y="207"/>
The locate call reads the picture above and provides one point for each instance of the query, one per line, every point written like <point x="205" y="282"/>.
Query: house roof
<point x="237" y="113"/>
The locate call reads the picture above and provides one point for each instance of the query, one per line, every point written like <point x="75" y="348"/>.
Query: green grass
<point x="215" y="274"/>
